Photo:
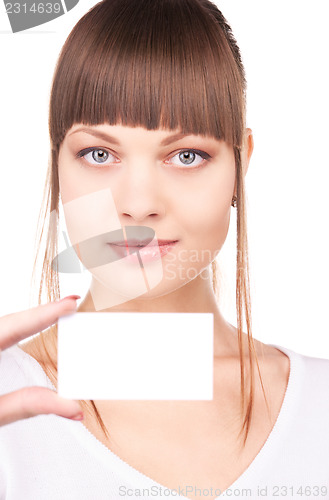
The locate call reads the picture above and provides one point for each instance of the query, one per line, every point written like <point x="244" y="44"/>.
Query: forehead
<point x="121" y="135"/>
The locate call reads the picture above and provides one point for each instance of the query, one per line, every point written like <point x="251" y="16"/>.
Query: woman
<point x="148" y="102"/>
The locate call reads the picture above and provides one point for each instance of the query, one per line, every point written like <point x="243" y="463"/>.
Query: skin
<point x="149" y="188"/>
<point x="193" y="207"/>
<point x="33" y="400"/>
<point x="152" y="186"/>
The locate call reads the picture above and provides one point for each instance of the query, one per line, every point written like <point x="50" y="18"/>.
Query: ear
<point x="246" y="152"/>
<point x="247" y="149"/>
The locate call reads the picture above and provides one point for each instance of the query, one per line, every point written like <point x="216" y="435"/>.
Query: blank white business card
<point x="136" y="356"/>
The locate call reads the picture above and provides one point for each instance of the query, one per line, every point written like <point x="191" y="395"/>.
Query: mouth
<point x="135" y="243"/>
<point x="133" y="251"/>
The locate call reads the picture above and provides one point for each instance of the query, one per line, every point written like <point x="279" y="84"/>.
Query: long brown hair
<point x="157" y="64"/>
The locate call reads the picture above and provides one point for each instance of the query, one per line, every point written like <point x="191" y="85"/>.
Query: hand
<point x="31" y="401"/>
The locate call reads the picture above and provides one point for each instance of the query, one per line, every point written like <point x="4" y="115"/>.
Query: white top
<point x="48" y="457"/>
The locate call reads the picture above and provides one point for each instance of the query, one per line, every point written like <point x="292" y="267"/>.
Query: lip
<point x="135" y="243"/>
<point x="139" y="255"/>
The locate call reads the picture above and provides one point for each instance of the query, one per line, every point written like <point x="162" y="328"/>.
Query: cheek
<point x="70" y="183"/>
<point x="89" y="211"/>
<point x="211" y="227"/>
<point x="207" y="212"/>
<point x="73" y="181"/>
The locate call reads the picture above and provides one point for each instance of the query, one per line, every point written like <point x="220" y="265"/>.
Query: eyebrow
<point x="107" y="137"/>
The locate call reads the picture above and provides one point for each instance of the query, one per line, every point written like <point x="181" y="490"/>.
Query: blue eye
<point x="188" y="156"/>
<point x="99" y="155"/>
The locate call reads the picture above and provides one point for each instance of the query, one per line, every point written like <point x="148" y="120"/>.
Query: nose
<point x="140" y="193"/>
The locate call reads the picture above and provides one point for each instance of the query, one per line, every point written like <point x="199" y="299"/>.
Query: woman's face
<point x="175" y="187"/>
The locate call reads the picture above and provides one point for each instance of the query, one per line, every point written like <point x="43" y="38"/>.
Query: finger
<point x="31" y="401"/>
<point x="17" y="326"/>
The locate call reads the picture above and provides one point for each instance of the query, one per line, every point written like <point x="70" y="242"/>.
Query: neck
<point x="195" y="296"/>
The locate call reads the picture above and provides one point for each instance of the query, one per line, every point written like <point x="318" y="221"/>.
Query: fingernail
<point x="75" y="297"/>
<point x="79" y="416"/>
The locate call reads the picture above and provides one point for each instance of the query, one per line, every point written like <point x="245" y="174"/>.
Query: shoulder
<point x="43" y="352"/>
<point x="20" y="367"/>
<point x="317" y="366"/>
<point x="37" y="348"/>
<point x="316" y="372"/>
<point x="13" y="370"/>
<point x="308" y="376"/>
<point x="274" y="364"/>
<point x="281" y="357"/>
<point x="309" y="380"/>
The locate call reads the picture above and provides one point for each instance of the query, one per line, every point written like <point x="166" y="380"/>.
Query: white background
<point x="284" y="46"/>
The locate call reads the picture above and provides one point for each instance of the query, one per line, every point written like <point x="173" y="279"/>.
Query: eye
<point x="187" y="157"/>
<point x="98" y="155"/>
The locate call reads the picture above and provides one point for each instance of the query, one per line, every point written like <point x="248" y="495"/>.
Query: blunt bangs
<point x="151" y="63"/>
